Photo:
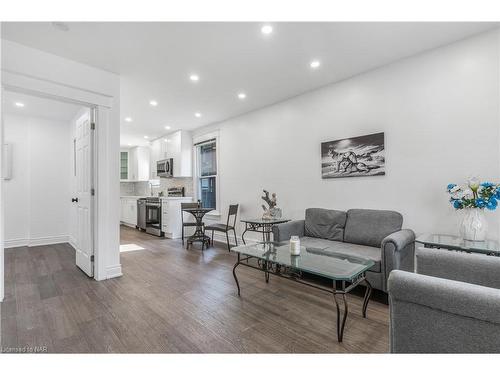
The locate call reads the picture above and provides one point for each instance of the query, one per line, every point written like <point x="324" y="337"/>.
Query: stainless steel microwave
<point x="165" y="168"/>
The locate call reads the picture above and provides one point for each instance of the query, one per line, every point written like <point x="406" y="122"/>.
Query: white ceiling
<point x="156" y="59"/>
<point x="38" y="107"/>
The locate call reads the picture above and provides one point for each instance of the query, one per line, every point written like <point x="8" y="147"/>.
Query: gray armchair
<point x="451" y="305"/>
<point x="372" y="234"/>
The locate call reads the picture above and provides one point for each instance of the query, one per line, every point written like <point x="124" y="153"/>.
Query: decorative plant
<point x="474" y="195"/>
<point x="271" y="202"/>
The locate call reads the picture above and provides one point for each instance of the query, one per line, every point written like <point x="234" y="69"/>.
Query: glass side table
<point x="264" y="226"/>
<point x="445" y="241"/>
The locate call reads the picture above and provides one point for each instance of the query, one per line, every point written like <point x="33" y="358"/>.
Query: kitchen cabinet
<point x="128" y="211"/>
<point x="123" y="165"/>
<point x="171" y="221"/>
<point x="156" y="154"/>
<point x="179" y="147"/>
<point x="138" y="162"/>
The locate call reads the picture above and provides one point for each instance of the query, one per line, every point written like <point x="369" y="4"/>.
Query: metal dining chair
<point x="226" y="228"/>
<point x="187" y="223"/>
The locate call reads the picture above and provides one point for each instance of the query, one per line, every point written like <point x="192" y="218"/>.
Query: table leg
<point x="340" y="324"/>
<point x="243" y="234"/>
<point x="234" y="274"/>
<point x="367" y="297"/>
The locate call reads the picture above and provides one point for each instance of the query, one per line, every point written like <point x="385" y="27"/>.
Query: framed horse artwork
<point x="353" y="157"/>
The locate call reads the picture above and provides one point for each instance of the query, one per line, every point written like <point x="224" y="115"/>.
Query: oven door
<point x="153" y="218"/>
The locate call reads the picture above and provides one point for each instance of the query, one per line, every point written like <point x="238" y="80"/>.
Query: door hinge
<point x="91" y="258"/>
<point x="92" y="126"/>
<point x="92" y="191"/>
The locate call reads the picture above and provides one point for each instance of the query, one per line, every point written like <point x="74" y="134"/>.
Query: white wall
<point x="440" y="115"/>
<point x="37" y="197"/>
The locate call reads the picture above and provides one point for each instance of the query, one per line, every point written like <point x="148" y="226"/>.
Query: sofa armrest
<point x="283" y="232"/>
<point x="398" y="253"/>
<point x="400" y="239"/>
<point x="449" y="296"/>
<point x="434" y="315"/>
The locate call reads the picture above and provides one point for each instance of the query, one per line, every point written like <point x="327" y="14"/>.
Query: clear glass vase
<point x="474" y="225"/>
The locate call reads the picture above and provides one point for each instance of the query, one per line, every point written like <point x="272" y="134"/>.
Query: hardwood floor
<point x="172" y="300"/>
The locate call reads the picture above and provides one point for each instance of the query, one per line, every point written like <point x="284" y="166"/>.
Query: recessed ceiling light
<point x="61" y="26"/>
<point x="19" y="104"/>
<point x="130" y="144"/>
<point x="194" y="77"/>
<point x="153" y="103"/>
<point x="266" y="29"/>
<point x="146" y="137"/>
<point x="242" y="95"/>
<point x="128" y="119"/>
<point x="197" y="114"/>
<point x="315" y="64"/>
<point x="167" y="127"/>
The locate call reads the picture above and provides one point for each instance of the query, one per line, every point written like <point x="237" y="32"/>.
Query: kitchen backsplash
<point x="143" y="188"/>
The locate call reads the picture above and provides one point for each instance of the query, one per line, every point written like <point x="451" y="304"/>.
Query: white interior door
<point x="83" y="200"/>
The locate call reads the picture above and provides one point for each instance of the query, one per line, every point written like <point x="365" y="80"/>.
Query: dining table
<point x="199" y="234"/>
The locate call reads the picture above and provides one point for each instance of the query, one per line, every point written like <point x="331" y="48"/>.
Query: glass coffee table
<point x="449" y="242"/>
<point x="345" y="272"/>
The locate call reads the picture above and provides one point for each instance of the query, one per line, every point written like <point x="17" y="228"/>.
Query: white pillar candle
<point x="295" y="245"/>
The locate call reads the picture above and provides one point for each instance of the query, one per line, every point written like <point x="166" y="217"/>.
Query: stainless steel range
<point x="153" y="216"/>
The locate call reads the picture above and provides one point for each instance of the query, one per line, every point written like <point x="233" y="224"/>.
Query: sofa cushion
<point x="344" y="248"/>
<point x="326" y="224"/>
<point x="370" y="227"/>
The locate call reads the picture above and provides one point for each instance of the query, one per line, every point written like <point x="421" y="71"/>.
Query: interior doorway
<point x="48" y="180"/>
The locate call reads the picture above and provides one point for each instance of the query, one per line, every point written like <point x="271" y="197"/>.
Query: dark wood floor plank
<point x="172" y="300"/>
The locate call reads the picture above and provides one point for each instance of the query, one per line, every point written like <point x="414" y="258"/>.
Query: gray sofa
<point x="372" y="234"/>
<point x="451" y="305"/>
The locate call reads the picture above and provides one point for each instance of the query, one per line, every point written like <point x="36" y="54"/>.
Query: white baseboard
<point x="221" y="238"/>
<point x="40" y="241"/>
<point x="114" y="271"/>
<point x="72" y="241"/>
<point x="128" y="224"/>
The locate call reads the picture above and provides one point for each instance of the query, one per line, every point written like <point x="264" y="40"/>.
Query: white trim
<point x="221" y="238"/>
<point x="72" y="241"/>
<point x="39" y="241"/>
<point x="128" y="224"/>
<point x="114" y="271"/>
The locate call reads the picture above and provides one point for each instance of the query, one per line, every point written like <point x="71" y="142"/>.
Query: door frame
<point x="106" y="223"/>
<point x="93" y="117"/>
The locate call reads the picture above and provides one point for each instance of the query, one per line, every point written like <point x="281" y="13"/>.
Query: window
<point x="124" y="165"/>
<point x="207" y="173"/>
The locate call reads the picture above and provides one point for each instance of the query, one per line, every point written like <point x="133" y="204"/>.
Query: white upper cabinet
<point x="138" y="164"/>
<point x="179" y="147"/>
<point x="155" y="156"/>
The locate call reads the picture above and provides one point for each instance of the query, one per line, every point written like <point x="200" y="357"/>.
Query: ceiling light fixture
<point x="266" y="29"/>
<point x="167" y="127"/>
<point x="194" y="77"/>
<point x="242" y="95"/>
<point x="19" y="104"/>
<point x="128" y="119"/>
<point x="197" y="114"/>
<point x="315" y="64"/>
<point x="130" y="144"/>
<point x="153" y="103"/>
<point x="146" y="137"/>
